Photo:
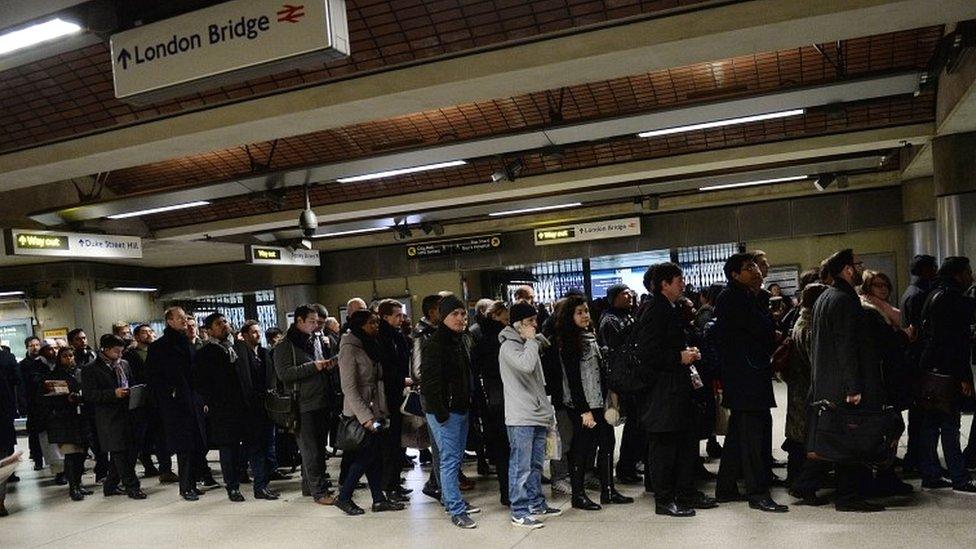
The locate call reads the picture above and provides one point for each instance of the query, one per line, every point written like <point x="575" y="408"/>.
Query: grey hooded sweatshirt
<point x="526" y="403"/>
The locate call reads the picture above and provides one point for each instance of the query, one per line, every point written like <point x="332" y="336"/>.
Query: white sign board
<point x="229" y="42"/>
<point x="273" y="255"/>
<point x="614" y="228"/>
<point x="62" y="244"/>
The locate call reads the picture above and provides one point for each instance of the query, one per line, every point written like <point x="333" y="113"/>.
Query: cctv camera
<point x="308" y="222"/>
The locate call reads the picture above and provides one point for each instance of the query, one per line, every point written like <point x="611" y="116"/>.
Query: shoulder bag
<point x="283" y="409"/>
<point x="350" y="434"/>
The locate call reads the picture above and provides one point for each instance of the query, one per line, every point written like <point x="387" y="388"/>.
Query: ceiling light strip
<point x="36" y="34"/>
<point x="722" y="123"/>
<point x="538" y="209"/>
<point x="350" y="232"/>
<point x="12" y="294"/>
<point x="753" y="183"/>
<point x="134" y="289"/>
<point x="160" y="209"/>
<point x="401" y="171"/>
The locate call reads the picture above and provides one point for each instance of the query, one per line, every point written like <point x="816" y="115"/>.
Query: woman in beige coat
<point x="362" y="385"/>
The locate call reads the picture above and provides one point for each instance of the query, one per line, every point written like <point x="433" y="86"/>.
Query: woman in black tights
<point x="584" y="394"/>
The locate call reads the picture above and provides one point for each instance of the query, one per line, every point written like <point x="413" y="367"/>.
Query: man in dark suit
<point x="149" y="427"/>
<point x="170" y="366"/>
<point x="256" y="372"/>
<point x="105" y="383"/>
<point x="670" y="411"/>
<point x="26" y="368"/>
<point x="747" y="338"/>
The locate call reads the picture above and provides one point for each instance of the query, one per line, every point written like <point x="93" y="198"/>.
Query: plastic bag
<point x="554" y="444"/>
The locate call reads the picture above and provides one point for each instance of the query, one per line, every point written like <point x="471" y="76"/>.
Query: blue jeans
<point x="451" y="437"/>
<point x="528" y="452"/>
<point x="946" y="426"/>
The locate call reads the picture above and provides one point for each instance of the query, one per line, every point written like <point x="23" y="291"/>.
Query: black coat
<point x="114" y="422"/>
<point x="746" y="340"/>
<point x="890" y="346"/>
<point x="10" y="371"/>
<point x="66" y="423"/>
<point x="615" y="326"/>
<point x="170" y="367"/>
<point x="256" y="371"/>
<point x="669" y="406"/>
<point x="220" y="384"/>
<point x="395" y="360"/>
<point x="8" y="412"/>
<point x="446" y="374"/>
<point x="140" y="373"/>
<point x="842" y="355"/>
<point x="484" y="362"/>
<point x="34" y="372"/>
<point x="946" y="330"/>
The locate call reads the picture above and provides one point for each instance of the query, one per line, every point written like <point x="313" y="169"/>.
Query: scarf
<point x="301" y="340"/>
<point x="227" y="345"/>
<point x="116" y="366"/>
<point x="369" y="343"/>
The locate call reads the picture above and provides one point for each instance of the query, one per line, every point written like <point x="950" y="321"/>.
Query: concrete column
<point x="918" y="211"/>
<point x="954" y="165"/>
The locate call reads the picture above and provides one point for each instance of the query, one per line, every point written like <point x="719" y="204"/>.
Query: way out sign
<point x="229" y="42"/>
<point x="72" y="245"/>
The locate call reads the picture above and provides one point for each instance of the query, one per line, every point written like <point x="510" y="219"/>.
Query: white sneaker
<point x="527" y="522"/>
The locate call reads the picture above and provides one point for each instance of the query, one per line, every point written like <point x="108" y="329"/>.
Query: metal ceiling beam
<point x="616" y="51"/>
<point x="811" y="97"/>
<point x="681" y="166"/>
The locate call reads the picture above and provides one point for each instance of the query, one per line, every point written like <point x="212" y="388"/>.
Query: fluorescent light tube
<point x="160" y="209"/>
<point x="721" y="123"/>
<point x="35" y="34"/>
<point x="539" y="209"/>
<point x="401" y="171"/>
<point x="134" y="289"/>
<point x="751" y="183"/>
<point x="352" y="231"/>
<point x="11" y="294"/>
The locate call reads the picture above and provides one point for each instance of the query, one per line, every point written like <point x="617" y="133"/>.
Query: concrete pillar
<point x="918" y="211"/>
<point x="954" y="166"/>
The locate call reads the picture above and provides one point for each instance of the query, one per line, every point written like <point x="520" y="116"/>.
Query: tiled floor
<point x="42" y="515"/>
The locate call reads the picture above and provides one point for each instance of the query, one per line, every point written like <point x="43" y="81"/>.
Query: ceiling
<point x="560" y="86"/>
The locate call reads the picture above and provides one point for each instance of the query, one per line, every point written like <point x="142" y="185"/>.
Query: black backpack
<point x="624" y="364"/>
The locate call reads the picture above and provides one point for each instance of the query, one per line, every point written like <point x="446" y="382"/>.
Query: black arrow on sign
<point x="124" y="58"/>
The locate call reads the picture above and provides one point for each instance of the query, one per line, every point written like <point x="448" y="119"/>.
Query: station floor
<point x="43" y="516"/>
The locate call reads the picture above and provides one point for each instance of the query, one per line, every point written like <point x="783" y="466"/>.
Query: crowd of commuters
<point x="519" y="385"/>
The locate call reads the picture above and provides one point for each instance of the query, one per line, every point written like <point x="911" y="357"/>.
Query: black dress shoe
<point x="198" y="491"/>
<point x="190" y="496"/>
<point x="76" y="494"/>
<point x="265" y="493"/>
<point x="349" y="507"/>
<point x="136" y="494"/>
<point x="613" y="496"/>
<point x="698" y="501"/>
<point x="767" y="505"/>
<point x="431" y="493"/>
<point x="810" y="499"/>
<point x="275" y="475"/>
<point x="859" y="506"/>
<point x="585" y="503"/>
<point x="209" y="482"/>
<point x="112" y="491"/>
<point x="235" y="495"/>
<point x="393" y="495"/>
<point x="673" y="509"/>
<point x="381" y="506"/>
<point x="60" y="480"/>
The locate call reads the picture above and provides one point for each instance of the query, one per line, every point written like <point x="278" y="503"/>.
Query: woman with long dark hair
<point x="362" y="385"/>
<point x="66" y="425"/>
<point x="584" y="394"/>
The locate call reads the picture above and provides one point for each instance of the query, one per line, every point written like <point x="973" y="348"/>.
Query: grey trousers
<point x="312" y="436"/>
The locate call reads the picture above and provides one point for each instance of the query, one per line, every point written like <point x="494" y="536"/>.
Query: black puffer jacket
<point x="446" y="374"/>
<point x="484" y="358"/>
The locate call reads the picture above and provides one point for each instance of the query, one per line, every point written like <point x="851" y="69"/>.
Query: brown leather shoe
<point x="326" y="500"/>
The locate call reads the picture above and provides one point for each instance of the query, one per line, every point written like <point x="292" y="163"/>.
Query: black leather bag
<point x="351" y="433"/>
<point x="283" y="410"/>
<point x="844" y="434"/>
<point x="936" y="392"/>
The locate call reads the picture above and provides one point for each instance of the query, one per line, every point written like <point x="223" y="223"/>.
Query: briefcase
<point x="845" y="434"/>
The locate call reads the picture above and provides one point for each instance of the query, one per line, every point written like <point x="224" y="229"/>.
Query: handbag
<point x="411" y="403"/>
<point x="351" y="433"/>
<point x="843" y="434"/>
<point x="283" y="408"/>
<point x="936" y="392"/>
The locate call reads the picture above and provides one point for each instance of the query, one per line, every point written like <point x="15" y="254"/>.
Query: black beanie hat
<point x="521" y="311"/>
<point x="614" y="291"/>
<point x="448" y="304"/>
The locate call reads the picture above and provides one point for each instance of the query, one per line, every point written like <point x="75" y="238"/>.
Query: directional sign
<point x="588" y="231"/>
<point x="456" y="246"/>
<point x="61" y="244"/>
<point x="225" y="43"/>
<point x="273" y="255"/>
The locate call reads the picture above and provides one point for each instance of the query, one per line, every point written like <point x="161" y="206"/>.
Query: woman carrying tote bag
<point x="360" y="373"/>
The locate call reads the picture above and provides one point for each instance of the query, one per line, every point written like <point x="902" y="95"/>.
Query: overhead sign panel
<point x="62" y="244"/>
<point x="614" y="228"/>
<point x="455" y="246"/>
<point x="229" y="42"/>
<point x="273" y="255"/>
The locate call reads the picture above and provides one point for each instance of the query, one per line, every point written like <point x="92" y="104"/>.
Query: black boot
<point x="608" y="492"/>
<point x="580" y="500"/>
<point x="74" y="486"/>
